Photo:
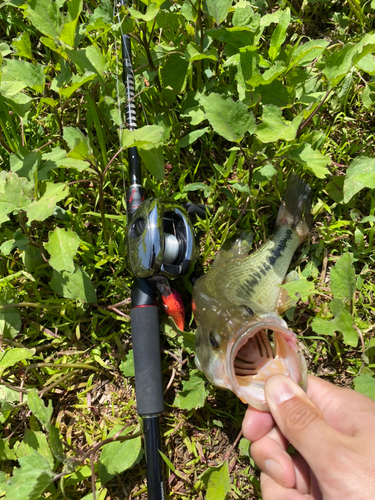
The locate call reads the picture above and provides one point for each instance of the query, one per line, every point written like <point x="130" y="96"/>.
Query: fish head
<point x="240" y="347"/>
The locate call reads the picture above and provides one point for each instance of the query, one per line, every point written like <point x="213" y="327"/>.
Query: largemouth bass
<point x="241" y="341"/>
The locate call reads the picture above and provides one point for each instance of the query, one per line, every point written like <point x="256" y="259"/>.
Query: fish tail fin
<point x="296" y="206"/>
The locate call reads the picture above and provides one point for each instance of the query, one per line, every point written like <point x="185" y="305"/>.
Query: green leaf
<point x="10" y="320"/>
<point x="193" y="53"/>
<point x="5" y="452"/>
<point x="77" y="82"/>
<point x="341" y="62"/>
<point x="300" y="287"/>
<point x="117" y="457"/>
<point x="312" y="159"/>
<point x="193" y="394"/>
<point x="154" y="160"/>
<point x="7" y="397"/>
<point x="45" y="16"/>
<point x="62" y="246"/>
<point x="323" y="326"/>
<point x="359" y="175"/>
<point x="144" y="137"/>
<point x="343" y="278"/>
<point x="15" y="194"/>
<point x="68" y="31"/>
<point x="35" y="441"/>
<point x="218" y="482"/>
<point x="22" y="44"/>
<point x="127" y="365"/>
<point x="31" y="479"/>
<point x="218" y="9"/>
<point x="13" y="356"/>
<point x="41" y="412"/>
<point x="56" y="444"/>
<point x="45" y="206"/>
<point x="58" y="158"/>
<point x="228" y="118"/>
<point x="192" y="137"/>
<point x="175" y="72"/>
<point x="244" y="448"/>
<point x="151" y="13"/>
<point x="344" y="324"/>
<point x="195" y="186"/>
<point x="365" y="384"/>
<point x="274" y="128"/>
<point x="279" y="34"/>
<point x="78" y="143"/>
<point x="75" y="286"/>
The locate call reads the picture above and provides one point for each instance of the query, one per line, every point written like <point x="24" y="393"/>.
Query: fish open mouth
<point x="263" y="349"/>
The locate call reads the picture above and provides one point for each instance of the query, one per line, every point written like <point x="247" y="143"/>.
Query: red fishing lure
<point x="171" y="301"/>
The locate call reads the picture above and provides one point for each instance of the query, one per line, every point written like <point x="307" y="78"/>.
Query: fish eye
<point x="249" y="310"/>
<point x="214" y="340"/>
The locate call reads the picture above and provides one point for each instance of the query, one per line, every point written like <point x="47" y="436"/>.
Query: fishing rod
<point x="160" y="241"/>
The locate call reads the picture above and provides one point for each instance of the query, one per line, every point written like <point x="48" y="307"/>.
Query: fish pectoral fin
<point x="236" y="246"/>
<point x="285" y="302"/>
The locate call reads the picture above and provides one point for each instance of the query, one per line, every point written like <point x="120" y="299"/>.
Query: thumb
<point x="302" y="423"/>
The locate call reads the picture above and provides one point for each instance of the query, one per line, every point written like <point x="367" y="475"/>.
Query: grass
<point x="76" y="347"/>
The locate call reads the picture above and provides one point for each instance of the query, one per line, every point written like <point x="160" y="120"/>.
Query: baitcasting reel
<point x="160" y="239"/>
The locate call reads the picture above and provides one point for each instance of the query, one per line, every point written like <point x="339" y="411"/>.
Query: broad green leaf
<point x="41" y="412"/>
<point x="218" y="482"/>
<point x="45" y="16"/>
<point x="15" y="193"/>
<point x="154" y="161"/>
<point x="244" y="448"/>
<point x="341" y="62"/>
<point x="218" y="9"/>
<point x="127" y="365"/>
<point x="368" y="96"/>
<point x="89" y="60"/>
<point x="151" y="13"/>
<point x="243" y="14"/>
<point x="229" y="119"/>
<point x="117" y="457"/>
<point x="193" y="394"/>
<point x="8" y="395"/>
<point x="193" y="53"/>
<point x="35" y="441"/>
<point x="343" y="278"/>
<point x="32" y="258"/>
<point x="68" y="31"/>
<point x="359" y="175"/>
<point x="59" y="158"/>
<point x="344" y="324"/>
<point x="22" y="44"/>
<point x="175" y="72"/>
<point x="312" y="159"/>
<point x="192" y="137"/>
<point x="307" y="52"/>
<point x="20" y="104"/>
<point x="268" y="76"/>
<point x="31" y="479"/>
<point x="367" y="64"/>
<point x="279" y="34"/>
<point x="195" y="186"/>
<point x="26" y="166"/>
<point x="144" y="137"/>
<point x="62" y="246"/>
<point x="273" y="126"/>
<point x="77" y="82"/>
<point x="13" y="356"/>
<point x="10" y="320"/>
<point x="300" y="287"/>
<point x="78" y="143"/>
<point x="5" y="452"/>
<point x="45" y="206"/>
<point x="365" y="384"/>
<point x="76" y="286"/>
<point x="323" y="326"/>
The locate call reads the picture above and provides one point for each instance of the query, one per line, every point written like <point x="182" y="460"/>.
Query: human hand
<point x="333" y="430"/>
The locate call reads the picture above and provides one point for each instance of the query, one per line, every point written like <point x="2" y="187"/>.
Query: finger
<point x="302" y="423"/>
<point x="256" y="424"/>
<point x="344" y="409"/>
<point x="272" y="490"/>
<point x="269" y="453"/>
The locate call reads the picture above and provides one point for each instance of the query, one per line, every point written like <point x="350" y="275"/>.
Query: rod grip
<point x="147" y="359"/>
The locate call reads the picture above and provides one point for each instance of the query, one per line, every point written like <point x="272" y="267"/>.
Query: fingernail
<point x="279" y="389"/>
<point x="274" y="470"/>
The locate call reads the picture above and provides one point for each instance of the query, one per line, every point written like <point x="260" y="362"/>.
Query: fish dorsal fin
<point x="285" y="302"/>
<point x="236" y="246"/>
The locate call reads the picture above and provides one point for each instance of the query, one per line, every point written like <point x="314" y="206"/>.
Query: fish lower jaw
<point x="254" y="359"/>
